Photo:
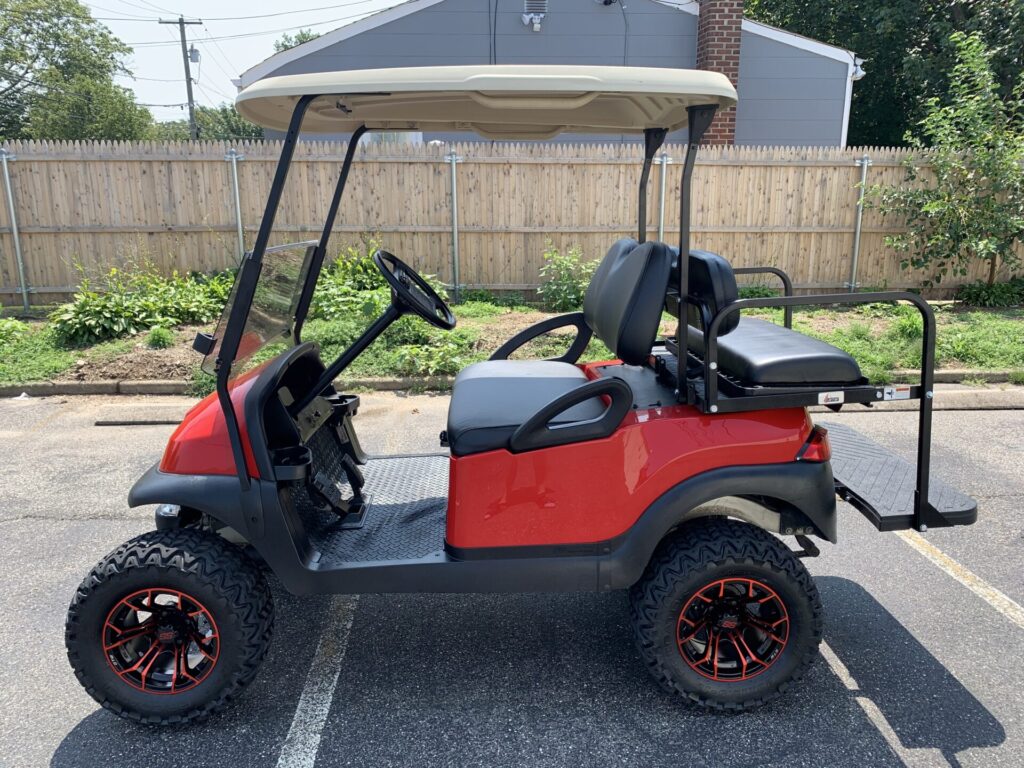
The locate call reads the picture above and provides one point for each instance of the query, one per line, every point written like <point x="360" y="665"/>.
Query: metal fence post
<point x="453" y="159"/>
<point x="233" y="157"/>
<point x="864" y="161"/>
<point x="6" y="157"/>
<point x="663" y="161"/>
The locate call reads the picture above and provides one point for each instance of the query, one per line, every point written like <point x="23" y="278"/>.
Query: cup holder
<point x="292" y="463"/>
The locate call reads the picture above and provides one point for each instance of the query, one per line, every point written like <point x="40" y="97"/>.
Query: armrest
<point x="536" y="432"/>
<point x="787" y="286"/>
<point x="583" y="335"/>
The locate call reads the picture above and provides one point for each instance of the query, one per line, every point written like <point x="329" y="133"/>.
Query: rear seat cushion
<point x="761" y="353"/>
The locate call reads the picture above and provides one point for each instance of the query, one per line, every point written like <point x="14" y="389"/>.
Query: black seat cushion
<point x="711" y="282"/>
<point x="625" y="297"/>
<point x="764" y="354"/>
<point x="491" y="399"/>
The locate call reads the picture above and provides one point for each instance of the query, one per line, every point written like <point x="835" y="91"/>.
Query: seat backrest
<point x="713" y="284"/>
<point x="625" y="297"/>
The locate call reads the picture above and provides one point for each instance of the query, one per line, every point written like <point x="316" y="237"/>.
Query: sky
<point x="234" y="35"/>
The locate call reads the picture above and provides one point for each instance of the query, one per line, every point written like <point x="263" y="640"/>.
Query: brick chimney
<point x="718" y="49"/>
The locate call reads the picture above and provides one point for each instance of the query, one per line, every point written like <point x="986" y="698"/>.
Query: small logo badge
<point x="831" y="398"/>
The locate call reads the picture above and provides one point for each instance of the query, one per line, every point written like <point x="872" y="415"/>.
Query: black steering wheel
<point x="411" y="291"/>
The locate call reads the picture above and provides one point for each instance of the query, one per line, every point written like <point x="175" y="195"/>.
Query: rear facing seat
<point x="757" y="352"/>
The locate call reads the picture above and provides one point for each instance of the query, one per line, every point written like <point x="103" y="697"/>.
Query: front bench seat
<point x="757" y="352"/>
<point x="622" y="306"/>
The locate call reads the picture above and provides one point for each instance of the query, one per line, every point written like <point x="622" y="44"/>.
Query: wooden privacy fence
<point x="89" y="206"/>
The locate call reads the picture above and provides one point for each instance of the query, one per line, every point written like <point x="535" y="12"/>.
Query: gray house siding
<point x="787" y="95"/>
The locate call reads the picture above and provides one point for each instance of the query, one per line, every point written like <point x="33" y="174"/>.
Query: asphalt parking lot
<point x="922" y="664"/>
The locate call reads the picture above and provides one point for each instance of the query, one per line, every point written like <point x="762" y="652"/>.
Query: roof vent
<point x="534" y="12"/>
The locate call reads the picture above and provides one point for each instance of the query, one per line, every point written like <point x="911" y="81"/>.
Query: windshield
<point x="271" y="317"/>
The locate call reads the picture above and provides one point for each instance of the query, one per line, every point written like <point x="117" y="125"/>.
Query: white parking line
<point x="921" y="756"/>
<point x="303" y="740"/>
<point x="976" y="584"/>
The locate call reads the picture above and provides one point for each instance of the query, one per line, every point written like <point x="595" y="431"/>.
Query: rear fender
<point x="775" y="497"/>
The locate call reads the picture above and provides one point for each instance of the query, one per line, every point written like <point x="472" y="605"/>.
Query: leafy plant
<point x="134" y="300"/>
<point x="967" y="204"/>
<point x="11" y="329"/>
<point x="757" y="292"/>
<point x="446" y="358"/>
<point x="981" y="294"/>
<point x="564" y="278"/>
<point x="159" y="338"/>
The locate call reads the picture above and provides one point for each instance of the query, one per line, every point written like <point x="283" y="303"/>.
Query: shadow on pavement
<point x="553" y="680"/>
<point x="924" y="704"/>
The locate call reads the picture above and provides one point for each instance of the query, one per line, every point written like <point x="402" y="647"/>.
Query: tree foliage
<point x="967" y="203"/>
<point x="221" y="123"/>
<point x="87" y="109"/>
<point x="287" y="41"/>
<point x="49" y="50"/>
<point x="907" y="49"/>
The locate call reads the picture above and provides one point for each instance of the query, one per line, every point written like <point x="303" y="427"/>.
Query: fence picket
<point x="101" y="204"/>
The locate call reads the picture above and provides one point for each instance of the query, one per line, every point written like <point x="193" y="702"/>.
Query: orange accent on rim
<point x="732" y="629"/>
<point x="160" y="641"/>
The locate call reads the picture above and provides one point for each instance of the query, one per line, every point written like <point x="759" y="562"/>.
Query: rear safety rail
<point x="920" y="509"/>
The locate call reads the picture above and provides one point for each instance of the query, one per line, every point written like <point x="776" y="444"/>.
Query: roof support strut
<point x="245" y="288"/>
<point x="321" y="249"/>
<point x="700" y="121"/>
<point x="653" y="139"/>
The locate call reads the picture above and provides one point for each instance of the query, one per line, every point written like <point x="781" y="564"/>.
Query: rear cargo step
<point x="881" y="484"/>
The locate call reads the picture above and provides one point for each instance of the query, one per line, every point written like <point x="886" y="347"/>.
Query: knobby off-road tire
<point x="210" y="574"/>
<point x="685" y="574"/>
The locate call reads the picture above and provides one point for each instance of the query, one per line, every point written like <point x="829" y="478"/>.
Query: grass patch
<point x="33" y="356"/>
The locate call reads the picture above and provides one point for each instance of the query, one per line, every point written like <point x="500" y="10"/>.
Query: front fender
<point x="218" y="496"/>
<point x="807" y="487"/>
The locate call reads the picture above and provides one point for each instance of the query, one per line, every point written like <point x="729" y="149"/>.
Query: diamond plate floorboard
<point x="885" y="483"/>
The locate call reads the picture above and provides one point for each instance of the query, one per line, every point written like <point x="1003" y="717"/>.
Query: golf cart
<point x="685" y="471"/>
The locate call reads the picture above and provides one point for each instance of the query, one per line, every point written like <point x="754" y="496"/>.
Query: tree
<point x="47" y="47"/>
<point x="290" y="41"/>
<point x="906" y="45"/>
<point x="969" y="203"/>
<point x="87" y="109"/>
<point x="221" y="123"/>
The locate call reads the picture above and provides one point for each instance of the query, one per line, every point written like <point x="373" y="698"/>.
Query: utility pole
<point x="193" y="129"/>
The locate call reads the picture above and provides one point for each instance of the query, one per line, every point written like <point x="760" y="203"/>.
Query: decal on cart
<point x="831" y="398"/>
<point x="897" y="392"/>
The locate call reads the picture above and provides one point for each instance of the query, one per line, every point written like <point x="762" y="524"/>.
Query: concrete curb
<point x="956" y="375"/>
<point x="945" y="399"/>
<point x="182" y="387"/>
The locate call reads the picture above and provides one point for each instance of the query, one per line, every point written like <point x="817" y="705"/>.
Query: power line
<point x="288" y="13"/>
<point x="154" y="43"/>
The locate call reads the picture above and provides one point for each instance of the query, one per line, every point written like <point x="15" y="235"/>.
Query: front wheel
<point x="169" y="626"/>
<point x="725" y="615"/>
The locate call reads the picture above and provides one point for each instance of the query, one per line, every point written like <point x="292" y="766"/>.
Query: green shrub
<point x="354" y="266"/>
<point x="159" y="338"/>
<point x="11" y="329"/>
<point x="757" y="292"/>
<point x="442" y="359"/>
<point x="130" y="302"/>
<point x="564" y="278"/>
<point x="981" y="294"/>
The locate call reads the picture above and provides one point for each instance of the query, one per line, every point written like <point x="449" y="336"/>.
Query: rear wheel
<point x="170" y="626"/>
<point x="725" y="615"/>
